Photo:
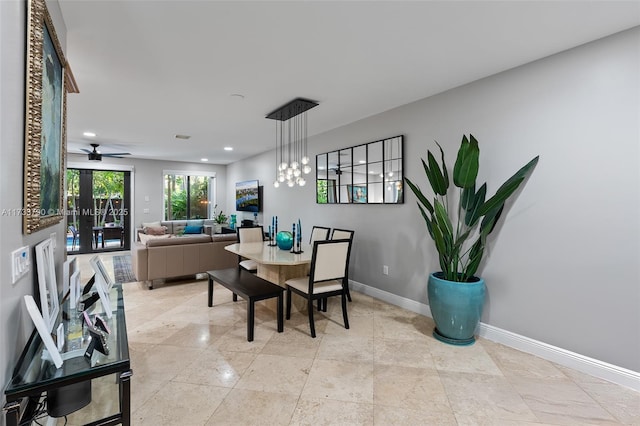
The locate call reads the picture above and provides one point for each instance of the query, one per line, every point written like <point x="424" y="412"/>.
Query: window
<point x="188" y="196"/>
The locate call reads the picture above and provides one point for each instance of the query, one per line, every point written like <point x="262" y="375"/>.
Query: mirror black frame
<point x="370" y="173"/>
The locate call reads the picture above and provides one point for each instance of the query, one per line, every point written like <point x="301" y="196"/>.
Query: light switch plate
<point x="20" y="263"/>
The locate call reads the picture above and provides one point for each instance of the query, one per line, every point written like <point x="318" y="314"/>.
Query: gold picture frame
<point x="45" y="122"/>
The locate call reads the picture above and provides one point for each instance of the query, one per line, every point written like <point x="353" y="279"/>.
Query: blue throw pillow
<point x="195" y="222"/>
<point x="193" y="229"/>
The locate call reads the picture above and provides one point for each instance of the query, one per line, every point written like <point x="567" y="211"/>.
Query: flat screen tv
<point x="248" y="196"/>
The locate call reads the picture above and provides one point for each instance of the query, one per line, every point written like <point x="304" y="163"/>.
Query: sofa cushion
<point x="189" y="239"/>
<point x="144" y="238"/>
<point x="195" y="222"/>
<point x="151" y="224"/>
<point x="192" y="229"/>
<point x="155" y="230"/>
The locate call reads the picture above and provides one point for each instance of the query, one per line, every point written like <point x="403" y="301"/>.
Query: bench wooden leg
<point x="280" y="321"/>
<point x="210" y="292"/>
<point x="235" y="297"/>
<point x="250" y="318"/>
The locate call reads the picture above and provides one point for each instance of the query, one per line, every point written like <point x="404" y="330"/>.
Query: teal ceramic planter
<point x="456" y="308"/>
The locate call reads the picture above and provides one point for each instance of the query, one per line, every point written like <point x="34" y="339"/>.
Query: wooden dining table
<point x="276" y="265"/>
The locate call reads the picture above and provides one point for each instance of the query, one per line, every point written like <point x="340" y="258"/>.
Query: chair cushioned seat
<point x="302" y="284"/>
<point x="249" y="265"/>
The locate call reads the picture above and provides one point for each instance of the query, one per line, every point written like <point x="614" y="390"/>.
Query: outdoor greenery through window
<point x="187" y="196"/>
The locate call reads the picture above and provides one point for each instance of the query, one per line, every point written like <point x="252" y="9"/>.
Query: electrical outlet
<point x="385" y="269"/>
<point x="20" y="263"/>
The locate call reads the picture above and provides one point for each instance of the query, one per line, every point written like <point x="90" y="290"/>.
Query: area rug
<point x="122" y="271"/>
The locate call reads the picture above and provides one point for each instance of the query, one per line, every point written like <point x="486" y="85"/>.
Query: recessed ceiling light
<point x="204" y="159"/>
<point x="89" y="134"/>
<point x="320" y="167"/>
<point x="237" y="96"/>
<point x="184" y="137"/>
<point x="362" y="161"/>
<point x="228" y="148"/>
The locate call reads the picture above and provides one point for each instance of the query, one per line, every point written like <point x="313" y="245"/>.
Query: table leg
<point x="280" y="321"/>
<point x="210" y="291"/>
<point x="125" y="397"/>
<point x="12" y="413"/>
<point x="250" y="318"/>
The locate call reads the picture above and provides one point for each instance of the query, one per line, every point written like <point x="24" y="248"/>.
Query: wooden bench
<point x="249" y="287"/>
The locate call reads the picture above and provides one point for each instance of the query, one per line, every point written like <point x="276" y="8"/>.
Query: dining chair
<point x="329" y="276"/>
<point x="319" y="233"/>
<point x="74" y="233"/>
<point x="249" y="234"/>
<point x="339" y="234"/>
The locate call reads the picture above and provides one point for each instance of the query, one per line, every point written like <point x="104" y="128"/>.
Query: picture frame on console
<point x="103" y="284"/>
<point x="47" y="285"/>
<point x="45" y="122"/>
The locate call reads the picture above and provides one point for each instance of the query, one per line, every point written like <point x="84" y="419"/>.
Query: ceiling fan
<point x="96" y="155"/>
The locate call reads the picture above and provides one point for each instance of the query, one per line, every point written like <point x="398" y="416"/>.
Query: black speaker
<point x="66" y="400"/>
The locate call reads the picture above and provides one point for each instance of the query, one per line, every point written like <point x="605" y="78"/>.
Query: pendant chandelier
<point x="292" y="159"/>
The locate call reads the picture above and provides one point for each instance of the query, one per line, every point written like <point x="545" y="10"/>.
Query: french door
<point x="98" y="210"/>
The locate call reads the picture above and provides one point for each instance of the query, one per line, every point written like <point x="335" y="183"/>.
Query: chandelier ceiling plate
<point x="291" y="109"/>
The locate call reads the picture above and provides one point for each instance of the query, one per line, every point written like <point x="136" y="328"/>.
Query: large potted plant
<point x="459" y="218"/>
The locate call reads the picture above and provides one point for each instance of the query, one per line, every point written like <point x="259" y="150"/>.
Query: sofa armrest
<point x="139" y="261"/>
<point x="208" y="229"/>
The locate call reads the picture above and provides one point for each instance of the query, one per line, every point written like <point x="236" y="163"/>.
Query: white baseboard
<point x="585" y="364"/>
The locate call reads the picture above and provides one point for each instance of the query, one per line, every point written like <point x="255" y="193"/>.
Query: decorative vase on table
<point x="456" y="308"/>
<point x="284" y="240"/>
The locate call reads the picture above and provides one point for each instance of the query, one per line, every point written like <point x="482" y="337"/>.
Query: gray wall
<point x="564" y="269"/>
<point x="16" y="324"/>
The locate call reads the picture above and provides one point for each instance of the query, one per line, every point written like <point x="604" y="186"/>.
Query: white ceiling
<point x="148" y="70"/>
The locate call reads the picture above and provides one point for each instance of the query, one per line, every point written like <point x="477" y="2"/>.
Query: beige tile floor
<point x="193" y="366"/>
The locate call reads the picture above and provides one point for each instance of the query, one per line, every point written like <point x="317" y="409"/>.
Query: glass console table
<point x="35" y="374"/>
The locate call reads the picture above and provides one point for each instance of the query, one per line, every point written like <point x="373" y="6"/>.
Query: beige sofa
<point x="180" y="256"/>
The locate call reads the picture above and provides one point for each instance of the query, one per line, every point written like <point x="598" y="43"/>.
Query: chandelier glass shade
<point x="292" y="158"/>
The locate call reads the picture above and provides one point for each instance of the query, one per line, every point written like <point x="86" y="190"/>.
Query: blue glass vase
<point x="284" y="240"/>
<point x="456" y="308"/>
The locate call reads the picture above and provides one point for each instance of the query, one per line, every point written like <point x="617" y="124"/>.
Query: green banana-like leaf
<point x="416" y="190"/>
<point x="443" y="221"/>
<point x="490" y="220"/>
<point x="459" y="242"/>
<point x="500" y="197"/>
<point x="509" y="187"/>
<point x="465" y="170"/>
<point x="467" y="197"/>
<point x="435" y="176"/>
<point x="444" y="166"/>
<point x="427" y="220"/>
<point x="438" y="238"/>
<point x="475" y="257"/>
<point x="473" y="213"/>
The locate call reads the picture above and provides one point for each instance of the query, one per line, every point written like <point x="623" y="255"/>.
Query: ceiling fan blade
<point x="88" y="151"/>
<point x="113" y="154"/>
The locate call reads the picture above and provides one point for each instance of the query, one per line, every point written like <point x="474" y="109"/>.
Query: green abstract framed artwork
<point x="45" y="122"/>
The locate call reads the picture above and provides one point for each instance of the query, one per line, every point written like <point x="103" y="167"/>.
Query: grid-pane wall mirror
<point x="371" y="173"/>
